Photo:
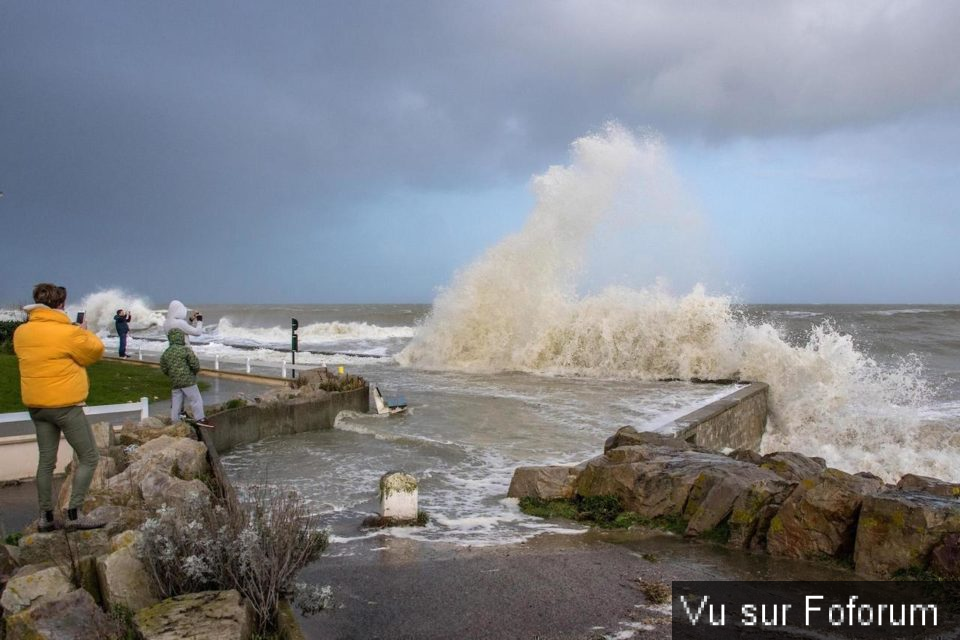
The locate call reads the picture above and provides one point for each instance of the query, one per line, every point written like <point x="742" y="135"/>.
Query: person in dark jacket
<point x="122" y="320"/>
<point x="180" y="364"/>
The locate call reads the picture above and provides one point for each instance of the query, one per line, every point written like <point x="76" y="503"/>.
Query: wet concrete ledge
<point x="246" y="425"/>
<point x="736" y="421"/>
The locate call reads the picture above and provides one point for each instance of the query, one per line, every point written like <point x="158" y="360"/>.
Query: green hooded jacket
<point x="179" y="362"/>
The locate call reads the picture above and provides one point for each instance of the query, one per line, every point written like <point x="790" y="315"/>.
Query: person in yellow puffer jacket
<point x="53" y="354"/>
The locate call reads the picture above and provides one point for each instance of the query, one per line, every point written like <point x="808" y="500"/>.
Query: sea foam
<point x="517" y="309"/>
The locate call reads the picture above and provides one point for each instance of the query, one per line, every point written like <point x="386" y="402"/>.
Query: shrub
<point x="256" y="546"/>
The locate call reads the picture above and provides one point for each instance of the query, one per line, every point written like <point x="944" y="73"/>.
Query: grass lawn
<point x="110" y="383"/>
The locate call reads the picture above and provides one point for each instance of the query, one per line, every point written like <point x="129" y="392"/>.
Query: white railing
<point x="143" y="407"/>
<point x="248" y="363"/>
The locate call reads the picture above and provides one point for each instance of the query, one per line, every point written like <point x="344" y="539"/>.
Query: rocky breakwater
<point x="94" y="584"/>
<point x="785" y="504"/>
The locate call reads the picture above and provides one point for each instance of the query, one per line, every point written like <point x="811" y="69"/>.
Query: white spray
<point x="517" y="308"/>
<point x="101" y="306"/>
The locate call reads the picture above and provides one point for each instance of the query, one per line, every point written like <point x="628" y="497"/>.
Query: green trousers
<point x="72" y="423"/>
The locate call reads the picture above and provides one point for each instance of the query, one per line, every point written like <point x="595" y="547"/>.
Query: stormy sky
<point x="364" y="151"/>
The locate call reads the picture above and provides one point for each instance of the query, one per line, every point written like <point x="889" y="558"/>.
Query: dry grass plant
<point x="256" y="544"/>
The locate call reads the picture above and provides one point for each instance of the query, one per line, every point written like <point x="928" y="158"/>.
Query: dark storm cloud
<point x="221" y="133"/>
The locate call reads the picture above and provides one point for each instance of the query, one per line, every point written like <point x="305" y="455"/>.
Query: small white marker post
<point x="398" y="497"/>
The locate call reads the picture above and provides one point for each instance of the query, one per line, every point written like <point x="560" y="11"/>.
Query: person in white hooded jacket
<point x="177" y="319"/>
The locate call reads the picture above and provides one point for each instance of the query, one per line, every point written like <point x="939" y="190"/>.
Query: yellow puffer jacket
<point x="53" y="353"/>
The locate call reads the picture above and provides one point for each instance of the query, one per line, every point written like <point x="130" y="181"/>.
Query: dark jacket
<point x="122" y="323"/>
<point x="179" y="362"/>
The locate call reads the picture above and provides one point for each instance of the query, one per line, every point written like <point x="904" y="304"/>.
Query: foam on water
<point x="316" y="333"/>
<point x="517" y="309"/>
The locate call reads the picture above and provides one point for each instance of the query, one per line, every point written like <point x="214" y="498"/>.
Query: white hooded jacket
<point x="177" y="319"/>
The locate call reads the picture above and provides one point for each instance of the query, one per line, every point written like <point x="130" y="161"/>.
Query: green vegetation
<point x="13" y="539"/>
<point x="602" y="511"/>
<point x="235" y="403"/>
<point x="719" y="534"/>
<point x="110" y="383"/>
<point x="7" y="327"/>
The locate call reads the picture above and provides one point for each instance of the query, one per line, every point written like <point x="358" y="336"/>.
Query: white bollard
<point x="398" y="496"/>
<point x="248" y="365"/>
<point x="283" y="369"/>
<point x="140" y="353"/>
<point x="216" y="362"/>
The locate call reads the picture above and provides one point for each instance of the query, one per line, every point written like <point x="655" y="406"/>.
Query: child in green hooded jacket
<point x="181" y="365"/>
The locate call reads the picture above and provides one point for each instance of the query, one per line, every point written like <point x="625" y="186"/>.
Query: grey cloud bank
<point x="223" y="151"/>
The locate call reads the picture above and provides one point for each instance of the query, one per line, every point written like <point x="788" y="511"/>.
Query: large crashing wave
<point x="517" y="308"/>
<point x="100" y="308"/>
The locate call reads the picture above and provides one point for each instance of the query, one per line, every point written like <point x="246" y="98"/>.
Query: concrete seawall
<point x="736" y="421"/>
<point x="251" y="423"/>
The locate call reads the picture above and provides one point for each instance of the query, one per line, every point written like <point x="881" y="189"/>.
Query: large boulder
<point x="899" y="530"/>
<point x="546" y="483"/>
<point x="30" y="584"/>
<point x="792" y="466"/>
<point x="9" y="562"/>
<point x="628" y="436"/>
<point x="212" y="615"/>
<point x="70" y="616"/>
<point x="106" y="467"/>
<point x="656" y="475"/>
<point x="52" y="547"/>
<point x="179" y="457"/>
<point x="124" y="580"/>
<point x="926" y="484"/>
<point x="945" y="557"/>
<point x="158" y="488"/>
<point x="819" y="519"/>
<point x="103" y="435"/>
<point x="150" y="429"/>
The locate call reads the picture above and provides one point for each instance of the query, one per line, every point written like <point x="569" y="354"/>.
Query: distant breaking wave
<point x="319" y="332"/>
<point x="517" y="308"/>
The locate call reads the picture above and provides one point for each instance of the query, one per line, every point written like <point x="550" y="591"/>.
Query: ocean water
<point x="517" y="362"/>
<point x="872" y="388"/>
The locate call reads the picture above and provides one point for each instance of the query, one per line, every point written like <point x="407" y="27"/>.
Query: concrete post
<point x="398" y="496"/>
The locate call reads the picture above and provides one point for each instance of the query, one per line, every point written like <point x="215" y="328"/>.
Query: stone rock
<point x="945" y="557"/>
<point x="747" y="455"/>
<point x="103" y="435"/>
<point x="791" y="466"/>
<point x="158" y="488"/>
<point x="819" y="519"/>
<point x="656" y="475"/>
<point x="69" y="616"/>
<point x="212" y="615"/>
<point x="627" y="436"/>
<point x="106" y="468"/>
<point x="9" y="562"/>
<point x="546" y="483"/>
<point x="30" y="584"/>
<point x="150" y="429"/>
<point x="52" y="547"/>
<point x="933" y="486"/>
<point x="180" y="457"/>
<point x="123" y="578"/>
<point x="118" y="518"/>
<point x="899" y="530"/>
